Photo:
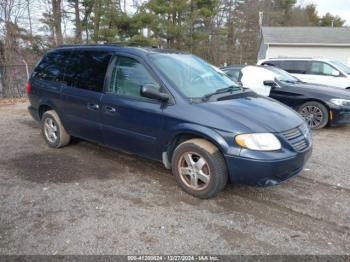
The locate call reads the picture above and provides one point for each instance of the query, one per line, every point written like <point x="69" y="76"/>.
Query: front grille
<point x="299" y="138"/>
<point x="291" y="134"/>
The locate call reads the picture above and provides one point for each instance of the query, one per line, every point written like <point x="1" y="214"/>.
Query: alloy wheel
<point x="194" y="171"/>
<point x="313" y="115"/>
<point x="51" y="130"/>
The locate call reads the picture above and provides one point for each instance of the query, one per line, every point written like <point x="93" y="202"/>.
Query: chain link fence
<point x="13" y="80"/>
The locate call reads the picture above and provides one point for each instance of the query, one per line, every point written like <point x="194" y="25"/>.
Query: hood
<point x="331" y="91"/>
<point x="250" y="112"/>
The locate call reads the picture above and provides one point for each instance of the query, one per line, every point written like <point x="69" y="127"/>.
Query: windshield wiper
<point x="219" y="91"/>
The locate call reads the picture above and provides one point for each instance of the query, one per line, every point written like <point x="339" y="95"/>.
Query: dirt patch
<point x="30" y="123"/>
<point x="51" y="167"/>
<point x="11" y="101"/>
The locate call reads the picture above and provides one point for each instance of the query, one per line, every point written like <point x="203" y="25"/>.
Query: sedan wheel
<point x="315" y="114"/>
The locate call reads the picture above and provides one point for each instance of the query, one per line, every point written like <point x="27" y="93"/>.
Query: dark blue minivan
<point x="168" y="106"/>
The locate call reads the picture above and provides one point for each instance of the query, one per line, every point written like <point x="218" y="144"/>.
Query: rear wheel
<point x="53" y="130"/>
<point x="315" y="114"/>
<point x="199" y="168"/>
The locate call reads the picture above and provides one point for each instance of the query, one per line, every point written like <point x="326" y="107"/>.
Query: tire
<point x="211" y="176"/>
<point x="53" y="130"/>
<point x="315" y="114"/>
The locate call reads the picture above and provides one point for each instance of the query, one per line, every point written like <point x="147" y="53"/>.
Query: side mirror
<point x="150" y="91"/>
<point x="335" y="73"/>
<point x="270" y="83"/>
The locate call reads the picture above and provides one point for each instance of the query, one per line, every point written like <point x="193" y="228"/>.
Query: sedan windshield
<point x="283" y="76"/>
<point x="342" y="67"/>
<point x="192" y="76"/>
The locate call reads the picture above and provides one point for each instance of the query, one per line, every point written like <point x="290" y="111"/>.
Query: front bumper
<point x="265" y="172"/>
<point x="339" y="116"/>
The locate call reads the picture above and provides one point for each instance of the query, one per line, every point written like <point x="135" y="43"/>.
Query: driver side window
<point x="128" y="76"/>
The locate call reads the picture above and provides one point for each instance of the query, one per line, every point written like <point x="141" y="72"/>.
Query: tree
<point x="75" y="4"/>
<point x="331" y="20"/>
<point x="57" y="20"/>
<point x="311" y="12"/>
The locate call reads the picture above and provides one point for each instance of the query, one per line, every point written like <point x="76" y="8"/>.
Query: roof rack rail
<point x="73" y="45"/>
<point x="134" y="44"/>
<point x="293" y="57"/>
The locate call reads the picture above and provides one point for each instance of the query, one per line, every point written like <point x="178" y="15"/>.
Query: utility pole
<point x="261" y="18"/>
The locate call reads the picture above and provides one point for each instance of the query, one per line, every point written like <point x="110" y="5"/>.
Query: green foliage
<point x="331" y="20"/>
<point x="311" y="12"/>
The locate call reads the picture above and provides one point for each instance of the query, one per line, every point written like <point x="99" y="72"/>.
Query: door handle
<point x="110" y="109"/>
<point x="93" y="106"/>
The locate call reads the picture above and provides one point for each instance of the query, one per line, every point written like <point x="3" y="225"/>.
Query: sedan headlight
<point x="340" y="102"/>
<point x="259" y="141"/>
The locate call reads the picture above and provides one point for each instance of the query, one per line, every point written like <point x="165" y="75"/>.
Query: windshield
<point x="341" y="66"/>
<point x="192" y="76"/>
<point x="283" y="76"/>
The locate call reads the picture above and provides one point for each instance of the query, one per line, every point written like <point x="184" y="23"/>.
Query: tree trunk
<point x="97" y="12"/>
<point x="77" y="21"/>
<point x="56" y="10"/>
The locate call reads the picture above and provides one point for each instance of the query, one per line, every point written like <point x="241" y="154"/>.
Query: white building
<point x="306" y="42"/>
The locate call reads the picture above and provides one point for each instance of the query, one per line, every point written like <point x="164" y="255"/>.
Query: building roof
<point x="320" y="36"/>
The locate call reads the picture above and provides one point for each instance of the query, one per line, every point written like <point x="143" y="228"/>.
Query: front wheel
<point x="315" y="114"/>
<point x="199" y="168"/>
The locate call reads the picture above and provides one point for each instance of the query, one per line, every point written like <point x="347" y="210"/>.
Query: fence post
<point x="27" y="70"/>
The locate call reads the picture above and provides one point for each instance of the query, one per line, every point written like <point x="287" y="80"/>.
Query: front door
<point x="325" y="74"/>
<point x="130" y="121"/>
<point x="287" y="95"/>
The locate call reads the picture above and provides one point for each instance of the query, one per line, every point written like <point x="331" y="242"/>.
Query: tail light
<point x="29" y="87"/>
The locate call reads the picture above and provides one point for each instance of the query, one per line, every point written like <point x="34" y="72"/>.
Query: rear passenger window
<point x="273" y="63"/>
<point x="52" y="66"/>
<point x="129" y="76"/>
<point x="295" y="67"/>
<point x="87" y="70"/>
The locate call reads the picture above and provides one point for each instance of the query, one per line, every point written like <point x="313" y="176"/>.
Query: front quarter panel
<point x="220" y="139"/>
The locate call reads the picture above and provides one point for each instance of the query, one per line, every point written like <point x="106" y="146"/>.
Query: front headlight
<point x="340" y="102"/>
<point x="259" y="141"/>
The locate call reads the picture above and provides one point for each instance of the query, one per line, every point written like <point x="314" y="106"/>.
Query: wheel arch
<point x="46" y="105"/>
<point x="194" y="131"/>
<point x="313" y="100"/>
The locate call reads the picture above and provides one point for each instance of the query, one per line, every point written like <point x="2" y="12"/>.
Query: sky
<point x="335" y="7"/>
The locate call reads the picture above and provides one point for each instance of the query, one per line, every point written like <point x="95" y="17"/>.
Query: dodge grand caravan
<point x="168" y="106"/>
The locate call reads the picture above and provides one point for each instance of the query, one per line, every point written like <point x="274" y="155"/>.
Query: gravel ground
<point x="86" y="199"/>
